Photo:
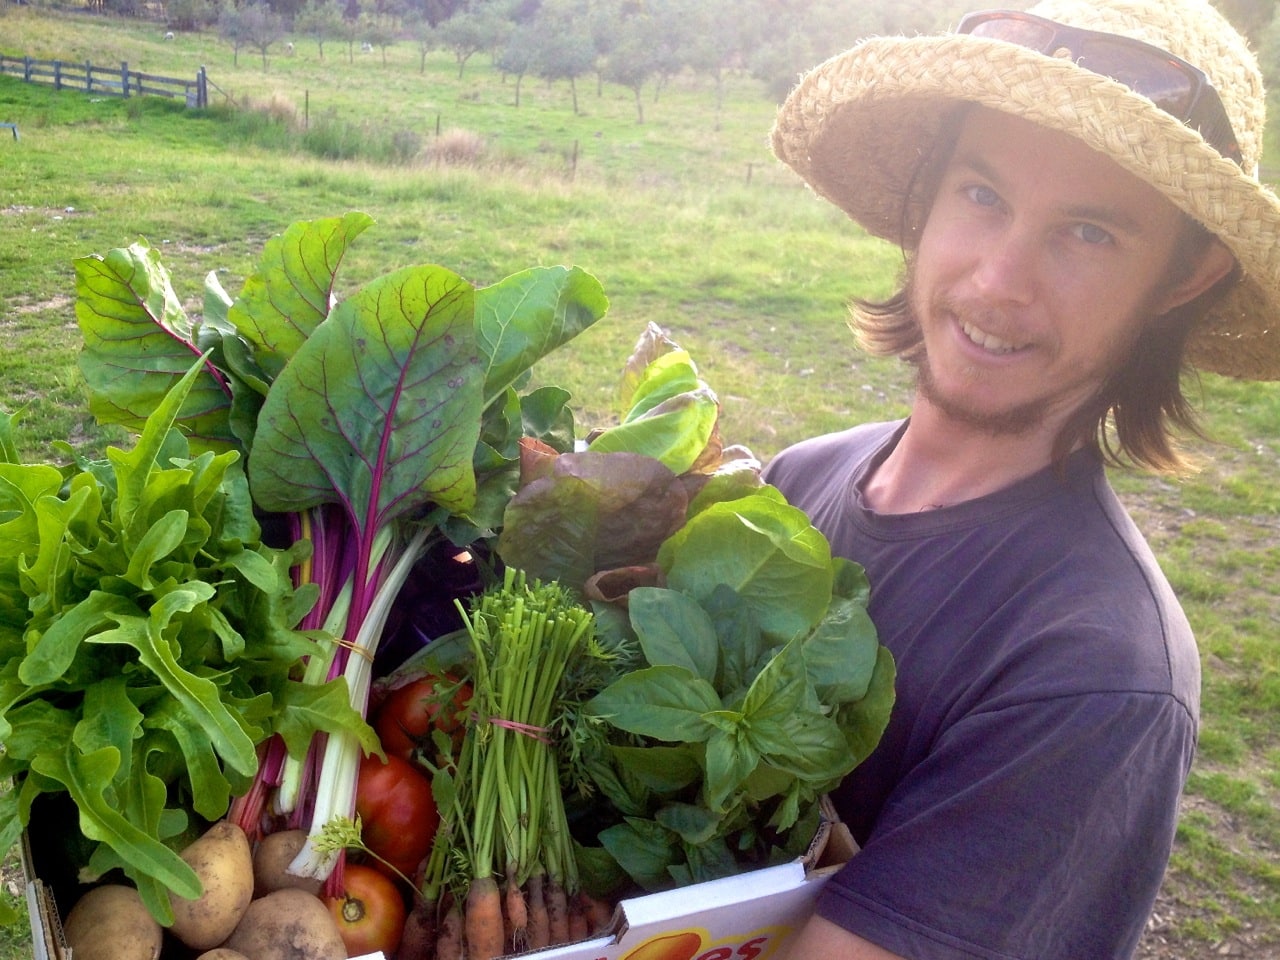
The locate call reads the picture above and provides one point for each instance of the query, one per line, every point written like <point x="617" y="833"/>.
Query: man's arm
<point x="820" y="939"/>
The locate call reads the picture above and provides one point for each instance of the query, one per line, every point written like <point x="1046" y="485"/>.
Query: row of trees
<point x="634" y="43"/>
<point x="630" y="42"/>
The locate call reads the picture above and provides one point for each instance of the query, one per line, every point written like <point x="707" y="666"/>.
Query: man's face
<point x="1038" y="265"/>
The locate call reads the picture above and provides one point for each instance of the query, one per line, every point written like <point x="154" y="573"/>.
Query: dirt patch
<point x="58" y="304"/>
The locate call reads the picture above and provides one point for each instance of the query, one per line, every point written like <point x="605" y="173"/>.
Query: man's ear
<point x="1213" y="263"/>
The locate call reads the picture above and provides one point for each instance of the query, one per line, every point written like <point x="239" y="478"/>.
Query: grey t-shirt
<point x="1023" y="799"/>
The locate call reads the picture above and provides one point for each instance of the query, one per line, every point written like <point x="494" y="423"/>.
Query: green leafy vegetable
<point x="378" y="425"/>
<point x="146" y="620"/>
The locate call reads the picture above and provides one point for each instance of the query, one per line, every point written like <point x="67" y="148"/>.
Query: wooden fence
<point x="111" y="81"/>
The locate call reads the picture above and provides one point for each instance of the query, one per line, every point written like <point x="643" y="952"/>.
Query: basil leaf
<point x="666" y="703"/>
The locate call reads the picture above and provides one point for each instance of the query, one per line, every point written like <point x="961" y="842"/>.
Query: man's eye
<point x="982" y="195"/>
<point x="1092" y="233"/>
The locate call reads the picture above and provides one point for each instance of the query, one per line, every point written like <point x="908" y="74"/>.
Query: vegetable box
<point x="750" y="916"/>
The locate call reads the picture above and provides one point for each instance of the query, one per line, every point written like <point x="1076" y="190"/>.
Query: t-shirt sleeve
<point x="1039" y="830"/>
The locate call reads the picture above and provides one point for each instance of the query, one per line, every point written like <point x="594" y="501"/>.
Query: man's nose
<point x="1006" y="265"/>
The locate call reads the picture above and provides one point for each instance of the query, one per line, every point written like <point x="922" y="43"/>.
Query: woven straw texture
<point x="857" y="127"/>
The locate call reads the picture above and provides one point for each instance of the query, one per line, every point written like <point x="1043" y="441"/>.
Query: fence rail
<point x="111" y="81"/>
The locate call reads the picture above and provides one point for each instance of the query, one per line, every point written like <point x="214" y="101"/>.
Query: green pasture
<point x="688" y="223"/>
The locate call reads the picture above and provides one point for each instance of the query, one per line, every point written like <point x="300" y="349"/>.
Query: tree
<point x="231" y="29"/>
<point x="320" y="20"/>
<point x="631" y="64"/>
<point x="261" y="27"/>
<point x="714" y="42"/>
<point x="438" y="11"/>
<point x="1269" y="58"/>
<point x="560" y="45"/>
<point x="190" y="14"/>
<point x="470" y="31"/>
<point x="418" y="28"/>
<point x="604" y="24"/>
<point x="516" y="58"/>
<point x="1252" y="18"/>
<point x="381" y="34"/>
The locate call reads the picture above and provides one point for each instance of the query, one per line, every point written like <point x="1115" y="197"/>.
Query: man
<point x="1081" y="217"/>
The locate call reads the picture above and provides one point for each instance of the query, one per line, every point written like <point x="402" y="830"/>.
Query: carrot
<point x="539" y="927"/>
<point x="449" y="941"/>
<point x="579" y="928"/>
<point x="517" y="913"/>
<point x="599" y="911"/>
<point x="557" y="911"/>
<point x="418" y="942"/>
<point x="483" y="917"/>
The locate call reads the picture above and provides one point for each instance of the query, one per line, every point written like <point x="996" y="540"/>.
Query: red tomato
<point x="397" y="811"/>
<point x="370" y="914"/>
<point x="405" y="719"/>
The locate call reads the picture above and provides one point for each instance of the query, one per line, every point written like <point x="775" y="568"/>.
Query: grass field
<point x="688" y="223"/>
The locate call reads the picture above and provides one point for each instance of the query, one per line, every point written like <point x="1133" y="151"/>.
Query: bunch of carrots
<point x="501" y="876"/>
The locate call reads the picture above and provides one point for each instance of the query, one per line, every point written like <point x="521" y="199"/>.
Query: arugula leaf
<point x="157" y="649"/>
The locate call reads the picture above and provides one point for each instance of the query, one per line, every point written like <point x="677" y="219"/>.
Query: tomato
<point x="370" y="913"/>
<point x="397" y="811"/>
<point x="406" y="718"/>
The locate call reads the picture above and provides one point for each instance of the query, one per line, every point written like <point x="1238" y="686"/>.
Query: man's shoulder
<point x="829" y="452"/>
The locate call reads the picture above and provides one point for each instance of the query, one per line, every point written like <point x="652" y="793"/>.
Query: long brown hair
<point x="1134" y="417"/>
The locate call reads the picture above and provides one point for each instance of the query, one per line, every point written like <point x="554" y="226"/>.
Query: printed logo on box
<point x="696" y="944"/>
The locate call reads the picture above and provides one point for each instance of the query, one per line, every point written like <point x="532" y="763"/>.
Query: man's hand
<point x="820" y="939"/>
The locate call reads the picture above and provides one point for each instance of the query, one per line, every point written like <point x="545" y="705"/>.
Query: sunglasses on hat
<point x="1175" y="86"/>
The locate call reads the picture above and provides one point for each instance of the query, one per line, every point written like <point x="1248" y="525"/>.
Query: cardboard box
<point x="746" y="917"/>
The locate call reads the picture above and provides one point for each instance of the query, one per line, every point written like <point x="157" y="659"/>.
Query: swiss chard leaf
<point x="380" y="409"/>
<point x="525" y="316"/>
<point x="139" y="342"/>
<point x="291" y="291"/>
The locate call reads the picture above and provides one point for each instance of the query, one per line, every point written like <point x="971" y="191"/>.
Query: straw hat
<point x="856" y="125"/>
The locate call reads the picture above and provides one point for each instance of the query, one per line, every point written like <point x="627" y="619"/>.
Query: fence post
<point x="26" y="69"/>
<point x="124" y="78"/>
<point x="202" y="88"/>
<point x="88" y="77"/>
<point x="57" y="74"/>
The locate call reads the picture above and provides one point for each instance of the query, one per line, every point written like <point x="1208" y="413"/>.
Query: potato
<point x="271" y="864"/>
<point x="112" y="923"/>
<point x="221" y="953"/>
<point x="289" y="924"/>
<point x="223" y="861"/>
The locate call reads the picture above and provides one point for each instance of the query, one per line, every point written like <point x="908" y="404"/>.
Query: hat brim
<point x="857" y="128"/>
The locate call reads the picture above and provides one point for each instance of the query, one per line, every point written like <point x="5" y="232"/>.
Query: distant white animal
<point x="169" y="35"/>
<point x="366" y="47"/>
<point x="288" y="47"/>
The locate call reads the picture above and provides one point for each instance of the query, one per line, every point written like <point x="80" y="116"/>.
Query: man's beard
<point x="1019" y="419"/>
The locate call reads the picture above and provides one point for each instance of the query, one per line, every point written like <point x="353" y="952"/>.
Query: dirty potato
<point x="221" y="858"/>
<point x="289" y="924"/>
<point x="111" y="922"/>
<point x="271" y="862"/>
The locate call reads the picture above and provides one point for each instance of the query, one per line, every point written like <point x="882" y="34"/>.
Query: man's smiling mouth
<point x="988" y="341"/>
